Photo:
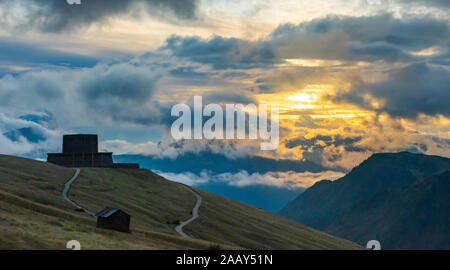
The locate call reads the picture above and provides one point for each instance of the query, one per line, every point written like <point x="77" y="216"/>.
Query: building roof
<point x="68" y="135"/>
<point x="108" y="211"/>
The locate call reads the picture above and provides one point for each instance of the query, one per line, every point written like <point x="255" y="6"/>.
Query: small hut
<point x="113" y="219"/>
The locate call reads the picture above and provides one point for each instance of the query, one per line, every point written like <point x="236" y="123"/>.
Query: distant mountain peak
<point x="358" y="197"/>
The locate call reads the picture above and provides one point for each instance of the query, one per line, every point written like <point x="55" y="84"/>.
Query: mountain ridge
<point x="422" y="226"/>
<point x="328" y="205"/>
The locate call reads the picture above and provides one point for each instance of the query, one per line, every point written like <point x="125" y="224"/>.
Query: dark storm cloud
<point x="327" y="140"/>
<point x="122" y="93"/>
<point x="370" y="38"/>
<point x="376" y="51"/>
<point x="413" y="32"/>
<point x="57" y="15"/>
<point x="189" y="72"/>
<point x="380" y="37"/>
<point x="236" y="75"/>
<point x="122" y="82"/>
<point x="410" y="91"/>
<point x="222" y="53"/>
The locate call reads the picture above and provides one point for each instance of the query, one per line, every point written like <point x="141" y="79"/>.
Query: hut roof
<point x="108" y="211"/>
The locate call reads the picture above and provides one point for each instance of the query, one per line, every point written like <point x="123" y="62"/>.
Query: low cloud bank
<point x="29" y="135"/>
<point x="290" y="179"/>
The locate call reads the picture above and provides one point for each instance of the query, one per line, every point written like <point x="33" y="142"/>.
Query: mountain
<point x="379" y="199"/>
<point x="33" y="214"/>
<point x="414" y="217"/>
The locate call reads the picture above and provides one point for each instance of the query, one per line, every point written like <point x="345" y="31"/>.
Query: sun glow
<point x="427" y="52"/>
<point x="311" y="101"/>
<point x="313" y="62"/>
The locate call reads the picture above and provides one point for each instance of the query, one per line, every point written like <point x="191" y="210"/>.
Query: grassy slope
<point x="227" y="221"/>
<point x="33" y="214"/>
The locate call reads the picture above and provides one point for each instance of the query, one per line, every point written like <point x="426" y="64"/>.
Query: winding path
<point x="179" y="228"/>
<point x="66" y="190"/>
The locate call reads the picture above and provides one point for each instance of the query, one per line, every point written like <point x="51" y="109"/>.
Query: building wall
<point x="119" y="222"/>
<point x="80" y="144"/>
<point x="82" y="160"/>
<point x="126" y="165"/>
<point x="81" y="150"/>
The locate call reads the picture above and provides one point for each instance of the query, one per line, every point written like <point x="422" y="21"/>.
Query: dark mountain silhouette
<point x="414" y="217"/>
<point x="398" y="199"/>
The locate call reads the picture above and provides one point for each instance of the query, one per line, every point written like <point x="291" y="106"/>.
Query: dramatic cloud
<point x="121" y="93"/>
<point x="57" y="15"/>
<point x="222" y="53"/>
<point x="408" y="92"/>
<point x="168" y="148"/>
<point x="359" y="38"/>
<point x="29" y="135"/>
<point x="370" y="38"/>
<point x="149" y="148"/>
<point x="347" y="86"/>
<point x="321" y="141"/>
<point x="186" y="178"/>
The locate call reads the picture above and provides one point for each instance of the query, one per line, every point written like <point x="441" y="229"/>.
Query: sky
<point x="351" y="77"/>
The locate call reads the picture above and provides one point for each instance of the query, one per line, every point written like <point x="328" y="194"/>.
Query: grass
<point x="152" y="201"/>
<point x="33" y="215"/>
<point x="226" y="221"/>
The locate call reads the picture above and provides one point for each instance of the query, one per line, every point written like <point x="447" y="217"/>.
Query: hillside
<point x="33" y="215"/>
<point x="414" y="217"/>
<point x="271" y="198"/>
<point x="356" y="206"/>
